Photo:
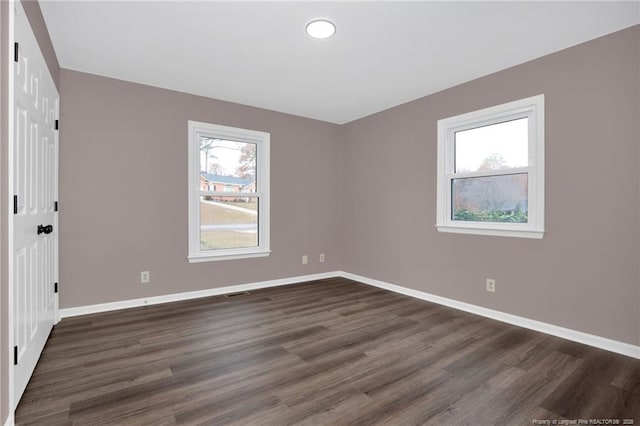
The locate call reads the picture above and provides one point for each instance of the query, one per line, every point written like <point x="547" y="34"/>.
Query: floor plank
<point x="327" y="352"/>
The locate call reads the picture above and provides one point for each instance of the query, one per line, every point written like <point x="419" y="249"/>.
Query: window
<point x="491" y="171"/>
<point x="224" y="226"/>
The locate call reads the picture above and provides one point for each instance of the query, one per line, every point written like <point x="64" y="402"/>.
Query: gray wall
<point x="123" y="192"/>
<point x="34" y="15"/>
<point x="584" y="273"/>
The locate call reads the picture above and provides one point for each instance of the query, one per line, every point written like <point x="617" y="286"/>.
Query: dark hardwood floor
<point x="331" y="352"/>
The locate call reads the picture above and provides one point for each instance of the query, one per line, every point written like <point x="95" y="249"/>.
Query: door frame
<point x="9" y="200"/>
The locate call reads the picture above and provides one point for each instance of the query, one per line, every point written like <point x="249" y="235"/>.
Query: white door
<point x="35" y="188"/>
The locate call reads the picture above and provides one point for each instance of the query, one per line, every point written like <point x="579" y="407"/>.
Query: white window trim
<point x="533" y="108"/>
<point x="261" y="139"/>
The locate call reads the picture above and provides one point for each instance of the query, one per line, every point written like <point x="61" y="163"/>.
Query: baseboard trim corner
<point x="10" y="420"/>
<point x="554" y="330"/>
<point x="176" y="297"/>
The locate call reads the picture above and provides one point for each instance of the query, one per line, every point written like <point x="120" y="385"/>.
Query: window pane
<point x="227" y="166"/>
<point x="501" y="198"/>
<point x="228" y="222"/>
<point x="498" y="146"/>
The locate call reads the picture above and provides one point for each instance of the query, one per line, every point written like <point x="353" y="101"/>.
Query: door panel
<point x="35" y="183"/>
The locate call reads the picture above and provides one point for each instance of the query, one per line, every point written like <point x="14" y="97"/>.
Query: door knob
<point x="42" y="229"/>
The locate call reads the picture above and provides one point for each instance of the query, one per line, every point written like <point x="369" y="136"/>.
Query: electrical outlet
<point x="145" y="276"/>
<point x="491" y="285"/>
<point x="305" y="259"/>
<point x="321" y="257"/>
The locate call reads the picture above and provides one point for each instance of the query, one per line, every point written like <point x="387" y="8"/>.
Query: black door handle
<point x="42" y="229"/>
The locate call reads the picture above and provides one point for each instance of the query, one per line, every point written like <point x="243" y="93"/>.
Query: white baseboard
<point x="554" y="330"/>
<point x="176" y="297"/>
<point x="10" y="420"/>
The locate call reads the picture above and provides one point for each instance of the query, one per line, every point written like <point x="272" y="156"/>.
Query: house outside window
<point x="228" y="192"/>
<point x="491" y="171"/>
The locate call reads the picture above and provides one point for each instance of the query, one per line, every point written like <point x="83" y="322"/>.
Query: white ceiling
<point x="257" y="53"/>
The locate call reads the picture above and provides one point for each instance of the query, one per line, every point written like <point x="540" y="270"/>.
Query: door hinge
<point x="15" y="204"/>
<point x="55" y="206"/>
<point x="16" y="58"/>
<point x="15" y="355"/>
<point x="57" y="124"/>
<point x="55" y="287"/>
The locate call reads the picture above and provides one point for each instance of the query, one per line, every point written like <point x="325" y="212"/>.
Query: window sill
<point x="212" y="258"/>
<point x="515" y="233"/>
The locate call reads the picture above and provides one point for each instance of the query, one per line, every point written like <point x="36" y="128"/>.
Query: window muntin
<point x="491" y="171"/>
<point x="228" y="192"/>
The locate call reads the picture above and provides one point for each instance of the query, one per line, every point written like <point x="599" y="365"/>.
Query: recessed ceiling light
<point x="321" y="28"/>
